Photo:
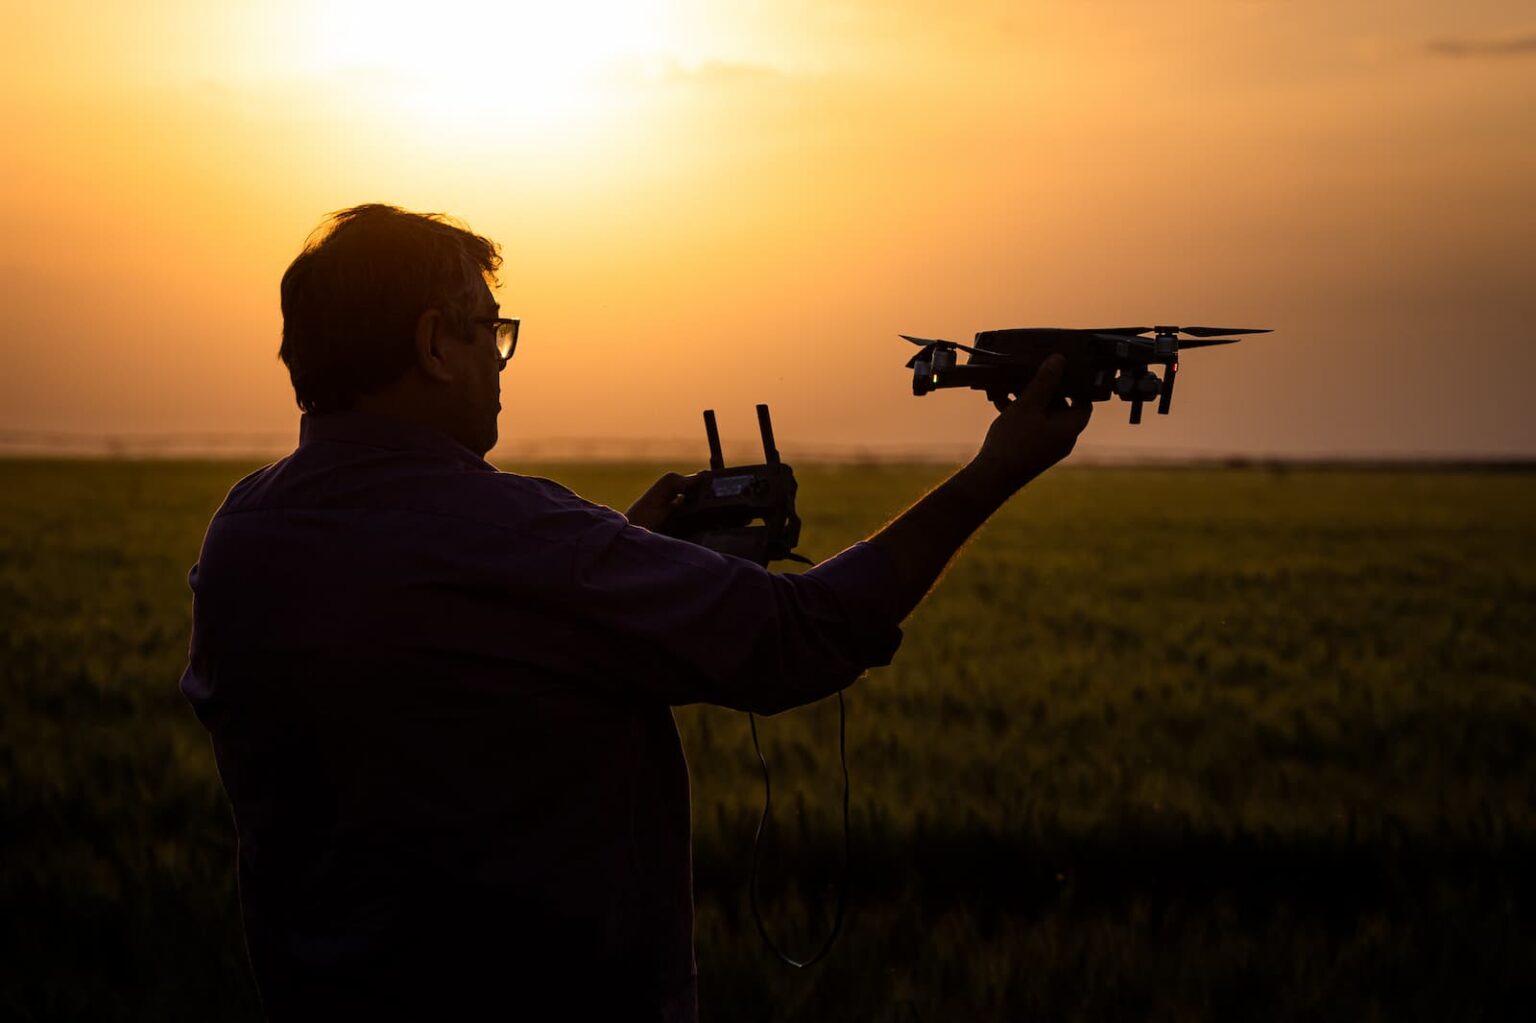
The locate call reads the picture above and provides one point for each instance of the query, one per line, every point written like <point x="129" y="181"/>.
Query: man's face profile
<point x="477" y="371"/>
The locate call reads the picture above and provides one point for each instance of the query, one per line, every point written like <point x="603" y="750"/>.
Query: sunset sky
<point x="712" y="205"/>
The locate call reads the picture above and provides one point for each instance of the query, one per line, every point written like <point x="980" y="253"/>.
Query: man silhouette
<point x="440" y="694"/>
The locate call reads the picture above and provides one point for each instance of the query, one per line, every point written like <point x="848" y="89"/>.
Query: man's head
<point x="389" y="311"/>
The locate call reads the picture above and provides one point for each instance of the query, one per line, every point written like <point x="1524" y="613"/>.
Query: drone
<point x="1102" y="362"/>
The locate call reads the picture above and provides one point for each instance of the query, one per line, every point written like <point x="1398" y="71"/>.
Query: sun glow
<point x="463" y="66"/>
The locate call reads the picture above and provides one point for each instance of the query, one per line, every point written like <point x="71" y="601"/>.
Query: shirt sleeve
<point x="684" y="624"/>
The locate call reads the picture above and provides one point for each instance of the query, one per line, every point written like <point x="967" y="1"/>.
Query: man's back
<point x="440" y="698"/>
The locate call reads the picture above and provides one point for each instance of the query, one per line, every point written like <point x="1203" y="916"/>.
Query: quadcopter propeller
<point x="923" y="342"/>
<point x="1212" y="331"/>
<point x="1191" y="331"/>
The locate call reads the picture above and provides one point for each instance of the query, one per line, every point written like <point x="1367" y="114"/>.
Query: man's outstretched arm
<point x="1033" y="434"/>
<point x="687" y="625"/>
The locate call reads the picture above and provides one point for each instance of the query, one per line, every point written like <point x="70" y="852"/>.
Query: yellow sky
<point x="719" y="204"/>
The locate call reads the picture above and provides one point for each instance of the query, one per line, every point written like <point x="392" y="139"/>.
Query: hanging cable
<point x="762" y="825"/>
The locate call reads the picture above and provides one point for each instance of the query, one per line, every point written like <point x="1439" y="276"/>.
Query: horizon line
<point x="232" y="445"/>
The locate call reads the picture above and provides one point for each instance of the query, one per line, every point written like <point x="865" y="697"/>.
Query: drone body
<point x="1101" y="363"/>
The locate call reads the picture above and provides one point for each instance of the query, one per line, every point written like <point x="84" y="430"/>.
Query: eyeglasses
<point x="506" y="335"/>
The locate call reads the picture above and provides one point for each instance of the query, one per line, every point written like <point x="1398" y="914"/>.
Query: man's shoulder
<point x="508" y="500"/>
<point x="416" y="487"/>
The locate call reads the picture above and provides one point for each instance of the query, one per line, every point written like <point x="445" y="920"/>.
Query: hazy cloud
<point x="670" y="71"/>
<point x="1511" y="44"/>
<point x="717" y="72"/>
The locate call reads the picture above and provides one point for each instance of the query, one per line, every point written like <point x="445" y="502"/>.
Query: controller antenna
<point x="765" y="427"/>
<point x="716" y="458"/>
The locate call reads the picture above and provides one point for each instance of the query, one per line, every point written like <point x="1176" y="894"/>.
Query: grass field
<point x="1164" y="744"/>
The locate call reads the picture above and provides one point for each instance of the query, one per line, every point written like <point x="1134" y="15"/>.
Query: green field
<point x="1164" y="744"/>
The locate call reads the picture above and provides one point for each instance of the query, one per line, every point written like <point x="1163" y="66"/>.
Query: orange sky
<point x="703" y="207"/>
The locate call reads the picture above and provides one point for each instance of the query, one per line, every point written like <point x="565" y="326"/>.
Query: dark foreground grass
<point x="1164" y="745"/>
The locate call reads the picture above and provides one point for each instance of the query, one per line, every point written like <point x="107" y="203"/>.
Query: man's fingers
<point x="672" y="483"/>
<point x="663" y="497"/>
<point x="1082" y="411"/>
<point x="658" y="491"/>
<point x="666" y="491"/>
<point x="1042" y="388"/>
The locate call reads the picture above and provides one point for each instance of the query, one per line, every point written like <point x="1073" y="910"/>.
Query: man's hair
<point x="352" y="298"/>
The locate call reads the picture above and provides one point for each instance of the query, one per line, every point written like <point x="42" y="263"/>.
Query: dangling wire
<point x="762" y="824"/>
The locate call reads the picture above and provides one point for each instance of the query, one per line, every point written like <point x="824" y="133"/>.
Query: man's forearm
<point x="1031" y="435"/>
<point x="925" y="538"/>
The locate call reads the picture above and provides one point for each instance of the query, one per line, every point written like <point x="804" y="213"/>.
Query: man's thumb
<point x="1043" y="387"/>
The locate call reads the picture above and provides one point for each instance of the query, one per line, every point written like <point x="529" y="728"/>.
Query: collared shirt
<point x="440" y="699"/>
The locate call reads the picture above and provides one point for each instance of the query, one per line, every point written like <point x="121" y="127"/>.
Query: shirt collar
<point x="386" y="432"/>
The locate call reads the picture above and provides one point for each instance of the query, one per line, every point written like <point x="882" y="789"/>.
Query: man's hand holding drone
<point x="1035" y="432"/>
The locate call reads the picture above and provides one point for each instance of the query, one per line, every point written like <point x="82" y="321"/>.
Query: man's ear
<point x="430" y="354"/>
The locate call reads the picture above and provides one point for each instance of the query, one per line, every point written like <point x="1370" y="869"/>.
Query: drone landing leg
<point x="1165" y="402"/>
<point x="1135" y="411"/>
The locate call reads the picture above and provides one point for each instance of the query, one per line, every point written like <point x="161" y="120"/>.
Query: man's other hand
<point x="1031" y="435"/>
<point x="653" y="506"/>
